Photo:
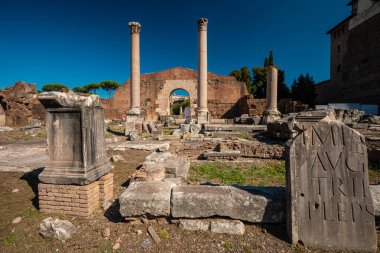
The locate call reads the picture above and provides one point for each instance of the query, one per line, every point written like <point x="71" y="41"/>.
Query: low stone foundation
<point x="79" y="200"/>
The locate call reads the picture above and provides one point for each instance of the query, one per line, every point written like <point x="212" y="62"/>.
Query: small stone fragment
<point x="146" y="244"/>
<point x="59" y="229"/>
<point x="154" y="235"/>
<point x="233" y="227"/>
<point x="15" y="190"/>
<point x="16" y="220"/>
<point x="106" y="232"/>
<point x="190" y="224"/>
<point x="139" y="232"/>
<point x="116" y="158"/>
<point x="116" y="246"/>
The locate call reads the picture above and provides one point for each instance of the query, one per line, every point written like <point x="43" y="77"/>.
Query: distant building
<point x="355" y="57"/>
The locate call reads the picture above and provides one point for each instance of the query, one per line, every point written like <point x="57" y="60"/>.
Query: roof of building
<point x="342" y="22"/>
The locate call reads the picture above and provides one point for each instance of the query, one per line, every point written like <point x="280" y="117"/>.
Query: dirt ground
<point x="24" y="237"/>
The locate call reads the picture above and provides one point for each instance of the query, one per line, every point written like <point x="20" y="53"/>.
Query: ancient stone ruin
<point x="329" y="204"/>
<point x="76" y="176"/>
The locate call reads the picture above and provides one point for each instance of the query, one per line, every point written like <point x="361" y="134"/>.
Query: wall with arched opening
<point x="163" y="97"/>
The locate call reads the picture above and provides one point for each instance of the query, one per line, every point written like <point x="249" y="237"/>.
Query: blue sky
<point x="76" y="42"/>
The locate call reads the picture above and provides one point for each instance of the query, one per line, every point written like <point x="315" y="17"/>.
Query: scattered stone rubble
<point x="56" y="228"/>
<point x="160" y="166"/>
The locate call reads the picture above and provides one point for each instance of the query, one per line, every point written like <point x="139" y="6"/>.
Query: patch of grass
<point x="163" y="234"/>
<point x="271" y="174"/>
<point x="31" y="213"/>
<point x="227" y="245"/>
<point x="167" y="131"/>
<point x="9" y="239"/>
<point x="245" y="136"/>
<point x="247" y="249"/>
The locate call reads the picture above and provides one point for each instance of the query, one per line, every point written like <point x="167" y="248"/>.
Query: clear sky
<point x="76" y="42"/>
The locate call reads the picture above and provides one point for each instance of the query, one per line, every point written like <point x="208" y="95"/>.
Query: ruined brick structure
<point x="224" y="94"/>
<point x="355" y="57"/>
<point x="19" y="106"/>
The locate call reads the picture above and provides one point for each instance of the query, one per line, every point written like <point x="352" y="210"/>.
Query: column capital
<point x="202" y="24"/>
<point x="135" y="27"/>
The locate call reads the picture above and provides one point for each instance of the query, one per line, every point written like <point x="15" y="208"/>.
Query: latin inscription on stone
<point x="66" y="147"/>
<point x="329" y="203"/>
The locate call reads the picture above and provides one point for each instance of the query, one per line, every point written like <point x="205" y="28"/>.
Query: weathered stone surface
<point x="194" y="225"/>
<point x="56" y="228"/>
<point x="375" y="193"/>
<point x="232" y="227"/>
<point x="146" y="199"/>
<point x="288" y="127"/>
<point x="116" y="158"/>
<point x="328" y="197"/>
<point x="258" y="149"/>
<point x="238" y="128"/>
<point x="141" y="145"/>
<point x="253" y="204"/>
<point x="160" y="165"/>
<point x="19" y="106"/>
<point x="187" y="128"/>
<point x="76" y="144"/>
<point x="228" y="155"/>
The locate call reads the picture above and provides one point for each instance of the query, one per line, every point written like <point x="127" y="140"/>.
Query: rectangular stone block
<point x="253" y="204"/>
<point x="146" y="199"/>
<point x="329" y="203"/>
<point x="76" y="144"/>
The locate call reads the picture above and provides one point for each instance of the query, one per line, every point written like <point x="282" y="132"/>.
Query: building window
<point x="338" y="49"/>
<point x="338" y="68"/>
<point x="334" y="35"/>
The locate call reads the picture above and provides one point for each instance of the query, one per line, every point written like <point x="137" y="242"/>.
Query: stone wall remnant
<point x="329" y="203"/>
<point x="19" y="106"/>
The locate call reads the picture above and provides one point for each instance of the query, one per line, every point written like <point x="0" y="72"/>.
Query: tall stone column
<point x="135" y="68"/>
<point x="271" y="112"/>
<point x="202" y="111"/>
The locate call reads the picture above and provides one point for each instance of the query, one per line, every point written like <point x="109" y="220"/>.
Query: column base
<point x="271" y="116"/>
<point x="203" y="116"/>
<point x="133" y="123"/>
<point x="78" y="200"/>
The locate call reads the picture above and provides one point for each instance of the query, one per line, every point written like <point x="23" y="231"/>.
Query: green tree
<point x="283" y="91"/>
<point x="259" y="83"/>
<point x="109" y="87"/>
<point x="80" y="90"/>
<point x="53" y="87"/>
<point x="92" y="87"/>
<point x="236" y="73"/>
<point x="303" y="89"/>
<point x="271" y="60"/>
<point x="243" y="75"/>
<point x="176" y="106"/>
<point x="266" y="62"/>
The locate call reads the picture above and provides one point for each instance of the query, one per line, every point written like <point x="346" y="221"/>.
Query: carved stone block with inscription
<point x="76" y="144"/>
<point x="329" y="204"/>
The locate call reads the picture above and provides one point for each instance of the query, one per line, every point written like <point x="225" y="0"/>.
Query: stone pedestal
<point x="80" y="200"/>
<point x="76" y="144"/>
<point x="202" y="111"/>
<point x="271" y="113"/>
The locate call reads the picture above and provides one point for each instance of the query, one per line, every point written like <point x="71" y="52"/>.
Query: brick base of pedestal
<point x="79" y="200"/>
<point x="105" y="188"/>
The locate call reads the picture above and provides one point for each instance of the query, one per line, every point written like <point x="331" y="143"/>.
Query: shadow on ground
<point x="113" y="214"/>
<point x="32" y="179"/>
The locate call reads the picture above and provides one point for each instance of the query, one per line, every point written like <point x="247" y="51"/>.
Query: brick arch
<point x="162" y="101"/>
